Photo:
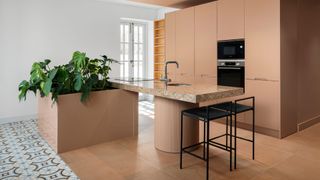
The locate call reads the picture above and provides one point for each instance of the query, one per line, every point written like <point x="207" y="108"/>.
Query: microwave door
<point x="231" y="50"/>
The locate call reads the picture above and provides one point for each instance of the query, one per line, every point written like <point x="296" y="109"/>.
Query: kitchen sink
<point x="178" y="84"/>
<point x="133" y="79"/>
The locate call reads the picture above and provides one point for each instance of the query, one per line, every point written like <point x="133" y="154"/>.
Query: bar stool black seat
<point x="201" y="113"/>
<point x="206" y="115"/>
<point x="235" y="108"/>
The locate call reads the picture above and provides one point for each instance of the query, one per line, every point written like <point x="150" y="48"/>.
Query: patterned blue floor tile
<point x="25" y="155"/>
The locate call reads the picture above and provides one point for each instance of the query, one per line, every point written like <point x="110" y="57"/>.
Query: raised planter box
<point x="69" y="124"/>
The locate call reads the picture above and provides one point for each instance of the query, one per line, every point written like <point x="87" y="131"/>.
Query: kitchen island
<point x="170" y="101"/>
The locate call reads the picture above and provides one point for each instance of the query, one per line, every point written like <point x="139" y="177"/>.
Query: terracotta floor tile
<point x="77" y="156"/>
<point x="94" y="169"/>
<point x="154" y="175"/>
<point x="268" y="176"/>
<point x="120" y="159"/>
<point x="295" y="157"/>
<point x="296" y="168"/>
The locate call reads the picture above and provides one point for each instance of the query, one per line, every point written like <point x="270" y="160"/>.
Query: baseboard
<point x="308" y="123"/>
<point x="17" y="118"/>
<point x="259" y="129"/>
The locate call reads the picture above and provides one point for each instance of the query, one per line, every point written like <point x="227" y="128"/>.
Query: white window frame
<point x="131" y="47"/>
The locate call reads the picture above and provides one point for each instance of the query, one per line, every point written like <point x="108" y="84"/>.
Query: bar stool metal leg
<point x="204" y="139"/>
<point x="227" y="129"/>
<point x="207" y="142"/>
<point x="235" y="141"/>
<point x="230" y="143"/>
<point x="181" y="140"/>
<point x="253" y="128"/>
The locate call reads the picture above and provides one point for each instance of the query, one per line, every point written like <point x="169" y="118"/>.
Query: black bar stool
<point x="206" y="114"/>
<point x="237" y="108"/>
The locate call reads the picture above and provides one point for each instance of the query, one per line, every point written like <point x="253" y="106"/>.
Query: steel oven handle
<point x="234" y="68"/>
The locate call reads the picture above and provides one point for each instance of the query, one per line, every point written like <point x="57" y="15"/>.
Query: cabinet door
<point x="185" y="42"/>
<point x="206" y="42"/>
<point x="262" y="39"/>
<point x="170" y="42"/>
<point x="206" y="79"/>
<point x="267" y="94"/>
<point x="231" y="19"/>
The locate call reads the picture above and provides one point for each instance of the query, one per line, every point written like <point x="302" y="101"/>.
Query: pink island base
<point x="69" y="124"/>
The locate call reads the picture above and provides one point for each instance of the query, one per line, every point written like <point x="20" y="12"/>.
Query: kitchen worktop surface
<point x="195" y="93"/>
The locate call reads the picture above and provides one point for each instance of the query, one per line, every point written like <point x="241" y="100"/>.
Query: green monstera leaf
<point x="47" y="87"/>
<point x="53" y="73"/>
<point x="78" y="82"/>
<point x="79" y="60"/>
<point x="23" y="88"/>
<point x="81" y="74"/>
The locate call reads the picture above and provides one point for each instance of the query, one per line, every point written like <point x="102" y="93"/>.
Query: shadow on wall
<point x="308" y="63"/>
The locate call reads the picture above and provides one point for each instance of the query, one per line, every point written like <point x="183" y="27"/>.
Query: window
<point x="132" y="50"/>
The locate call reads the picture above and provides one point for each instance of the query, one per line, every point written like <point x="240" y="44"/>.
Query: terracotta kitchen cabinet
<point x="170" y="42"/>
<point x="231" y="19"/>
<point x="185" y="43"/>
<point x="268" y="107"/>
<point x="206" y="42"/>
<point x="262" y="34"/>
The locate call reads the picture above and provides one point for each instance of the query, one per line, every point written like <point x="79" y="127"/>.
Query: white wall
<point x="31" y="30"/>
<point x="162" y="11"/>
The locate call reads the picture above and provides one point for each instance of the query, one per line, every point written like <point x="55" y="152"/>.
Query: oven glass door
<point x="231" y="76"/>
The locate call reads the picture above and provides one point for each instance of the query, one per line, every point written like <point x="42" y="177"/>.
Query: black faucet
<point x="165" y="78"/>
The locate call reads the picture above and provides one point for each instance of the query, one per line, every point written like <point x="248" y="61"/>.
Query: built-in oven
<point x="231" y="69"/>
<point x="231" y="50"/>
<point x="231" y="73"/>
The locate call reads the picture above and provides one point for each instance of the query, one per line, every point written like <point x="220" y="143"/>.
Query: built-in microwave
<point x="231" y="50"/>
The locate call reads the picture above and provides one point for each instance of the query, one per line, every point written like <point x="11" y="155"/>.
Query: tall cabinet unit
<point x="206" y="43"/>
<point x="159" y="48"/>
<point x="262" y="35"/>
<point x="231" y="19"/>
<point x="191" y="40"/>
<point x="185" y="42"/>
<point x="262" y="39"/>
<point x="170" y="42"/>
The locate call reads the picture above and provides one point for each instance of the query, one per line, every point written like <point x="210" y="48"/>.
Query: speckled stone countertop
<point x="195" y="93"/>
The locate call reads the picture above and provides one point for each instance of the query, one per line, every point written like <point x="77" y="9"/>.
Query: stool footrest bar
<point x="191" y="146"/>
<point x="195" y="155"/>
<point x="238" y="137"/>
<point x="217" y="137"/>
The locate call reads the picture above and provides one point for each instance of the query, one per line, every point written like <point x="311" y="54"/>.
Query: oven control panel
<point x="230" y="63"/>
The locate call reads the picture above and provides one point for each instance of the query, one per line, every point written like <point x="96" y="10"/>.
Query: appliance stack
<point x="231" y="61"/>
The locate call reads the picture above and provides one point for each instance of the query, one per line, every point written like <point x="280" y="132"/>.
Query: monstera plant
<point x="81" y="74"/>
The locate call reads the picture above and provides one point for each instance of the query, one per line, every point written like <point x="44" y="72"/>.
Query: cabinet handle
<point x="262" y="79"/>
<point x="229" y="68"/>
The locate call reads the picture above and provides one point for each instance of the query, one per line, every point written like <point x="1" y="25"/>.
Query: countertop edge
<point x="190" y="98"/>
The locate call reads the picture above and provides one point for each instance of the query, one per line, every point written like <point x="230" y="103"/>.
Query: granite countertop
<point x="195" y="93"/>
